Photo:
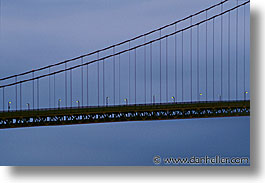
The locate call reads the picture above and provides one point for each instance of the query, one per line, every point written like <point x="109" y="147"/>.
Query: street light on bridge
<point x="107" y="101"/>
<point x="78" y="103"/>
<point x="9" y="105"/>
<point x="220" y="97"/>
<point x="59" y="103"/>
<point x="200" y="96"/>
<point x="174" y="100"/>
<point x="126" y="101"/>
<point x="27" y="104"/>
<point x="245" y="95"/>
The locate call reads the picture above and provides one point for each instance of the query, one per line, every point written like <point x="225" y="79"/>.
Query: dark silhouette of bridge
<point x="191" y="68"/>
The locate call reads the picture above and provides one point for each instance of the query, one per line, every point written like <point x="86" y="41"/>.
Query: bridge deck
<point x="101" y="114"/>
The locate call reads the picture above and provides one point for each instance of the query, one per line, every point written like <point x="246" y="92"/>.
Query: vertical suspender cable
<point x="160" y="67"/>
<point x="33" y="90"/>
<point x="182" y="50"/>
<point x="98" y="75"/>
<point x="206" y="58"/>
<point x="176" y="66"/>
<point x="191" y="59"/>
<point x="213" y="61"/>
<point x="198" y="59"/>
<point x="16" y="92"/>
<point x="129" y="72"/>
<point x="244" y="50"/>
<point x="228" y="46"/>
<point x="114" y="75"/>
<point x="49" y="88"/>
<point x="20" y="97"/>
<point x="119" y="79"/>
<point x="3" y="99"/>
<point x="151" y="74"/>
<point x="65" y="85"/>
<point x="145" y="70"/>
<point x="54" y="92"/>
<point x="87" y="94"/>
<point x="135" y="75"/>
<point x="103" y="73"/>
<point x="71" y="89"/>
<point x="236" y="51"/>
<point x="38" y="94"/>
<point x="82" y="80"/>
<point x="166" y="69"/>
<point x="221" y="52"/>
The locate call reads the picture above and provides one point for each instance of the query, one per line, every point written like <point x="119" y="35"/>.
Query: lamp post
<point x="78" y="103"/>
<point x="200" y="97"/>
<point x="173" y="98"/>
<point x="59" y="103"/>
<point x="9" y="105"/>
<point x="220" y="97"/>
<point x="126" y="101"/>
<point x="154" y="99"/>
<point x="245" y="95"/>
<point x="28" y="106"/>
<point x="107" y="101"/>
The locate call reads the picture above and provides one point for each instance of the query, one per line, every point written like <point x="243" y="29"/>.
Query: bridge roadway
<point x="91" y="115"/>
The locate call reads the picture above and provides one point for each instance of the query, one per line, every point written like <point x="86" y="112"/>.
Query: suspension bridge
<point x="195" y="67"/>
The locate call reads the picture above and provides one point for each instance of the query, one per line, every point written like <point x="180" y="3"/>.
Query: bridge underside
<point x="92" y="115"/>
